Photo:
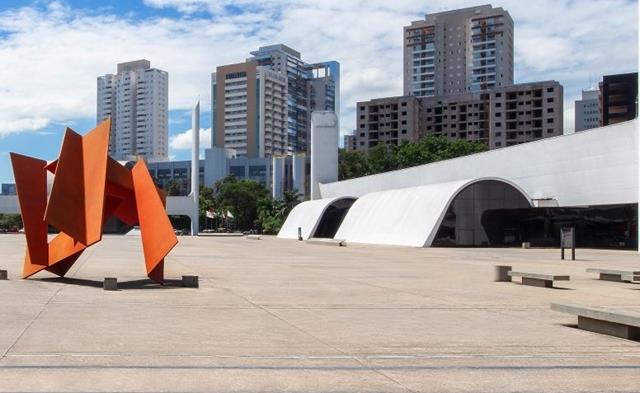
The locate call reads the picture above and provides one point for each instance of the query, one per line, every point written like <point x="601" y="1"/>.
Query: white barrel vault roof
<point x="306" y="215"/>
<point x="403" y="217"/>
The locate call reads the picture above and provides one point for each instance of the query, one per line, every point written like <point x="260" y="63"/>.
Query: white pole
<point x="195" y="170"/>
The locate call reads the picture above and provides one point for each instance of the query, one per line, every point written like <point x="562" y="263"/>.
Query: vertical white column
<point x="324" y="150"/>
<point x="195" y="170"/>
<point x="277" y="178"/>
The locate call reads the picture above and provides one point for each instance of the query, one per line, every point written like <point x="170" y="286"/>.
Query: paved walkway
<point x="275" y="315"/>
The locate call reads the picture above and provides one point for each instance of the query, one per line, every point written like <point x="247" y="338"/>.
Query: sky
<point x="51" y="53"/>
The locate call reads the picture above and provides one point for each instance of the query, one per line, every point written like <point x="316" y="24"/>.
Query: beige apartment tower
<point x="459" y="51"/>
<point x="249" y="105"/>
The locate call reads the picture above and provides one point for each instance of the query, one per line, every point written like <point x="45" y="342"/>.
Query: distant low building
<point x="219" y="163"/>
<point x="350" y="142"/>
<point x="618" y="98"/>
<point x="503" y="116"/>
<point x="587" y="111"/>
<point x="8" y="189"/>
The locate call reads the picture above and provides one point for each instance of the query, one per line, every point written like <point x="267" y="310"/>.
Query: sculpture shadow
<point x="132" y="284"/>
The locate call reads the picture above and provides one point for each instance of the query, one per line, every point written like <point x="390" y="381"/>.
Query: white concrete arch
<point x="306" y="215"/>
<point x="405" y="217"/>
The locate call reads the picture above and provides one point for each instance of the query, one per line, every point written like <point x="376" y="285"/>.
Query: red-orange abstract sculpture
<point x="88" y="188"/>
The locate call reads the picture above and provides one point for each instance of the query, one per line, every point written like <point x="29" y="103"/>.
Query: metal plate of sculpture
<point x="88" y="188"/>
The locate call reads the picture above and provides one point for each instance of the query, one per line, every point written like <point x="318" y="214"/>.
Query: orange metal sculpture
<point x="88" y="188"/>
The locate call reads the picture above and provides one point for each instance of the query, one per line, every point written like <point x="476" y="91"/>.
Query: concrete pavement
<point x="277" y="315"/>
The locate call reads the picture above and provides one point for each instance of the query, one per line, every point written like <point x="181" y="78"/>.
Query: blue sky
<point x="52" y="51"/>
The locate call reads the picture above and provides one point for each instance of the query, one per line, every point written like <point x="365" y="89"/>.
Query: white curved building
<point x="588" y="180"/>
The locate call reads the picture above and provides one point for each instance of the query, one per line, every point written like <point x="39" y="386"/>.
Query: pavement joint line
<point x="359" y="361"/>
<point x="31" y="322"/>
<point x="346" y="357"/>
<point x="326" y="368"/>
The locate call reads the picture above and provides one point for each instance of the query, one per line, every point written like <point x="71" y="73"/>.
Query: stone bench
<point x="327" y="242"/>
<point x="538" y="280"/>
<point x="619" y="323"/>
<point x="616" y="275"/>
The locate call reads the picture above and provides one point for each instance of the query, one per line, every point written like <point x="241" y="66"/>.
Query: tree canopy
<point x="383" y="158"/>
<point x="248" y="204"/>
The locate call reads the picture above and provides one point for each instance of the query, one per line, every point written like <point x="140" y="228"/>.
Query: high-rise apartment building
<point x="137" y="100"/>
<point x="308" y="87"/>
<point x="587" y="111"/>
<point x="249" y="110"/>
<point x="618" y="98"/>
<point x="500" y="117"/>
<point x="459" y="51"/>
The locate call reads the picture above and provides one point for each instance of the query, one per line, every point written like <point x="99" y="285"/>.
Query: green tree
<point x="273" y="212"/>
<point x="241" y="199"/>
<point x="10" y="222"/>
<point x="352" y="164"/>
<point x="174" y="188"/>
<point x="207" y="203"/>
<point x="383" y="158"/>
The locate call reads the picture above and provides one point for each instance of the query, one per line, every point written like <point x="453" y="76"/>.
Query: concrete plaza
<point x="275" y="315"/>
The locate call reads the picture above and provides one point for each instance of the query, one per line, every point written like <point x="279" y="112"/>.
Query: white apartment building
<point x="587" y="111"/>
<point x="137" y="100"/>
<point x="459" y="51"/>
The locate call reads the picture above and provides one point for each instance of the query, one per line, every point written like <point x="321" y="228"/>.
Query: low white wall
<point x="593" y="167"/>
<point x="9" y="204"/>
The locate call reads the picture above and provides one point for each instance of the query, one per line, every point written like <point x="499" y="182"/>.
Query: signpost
<point x="568" y="240"/>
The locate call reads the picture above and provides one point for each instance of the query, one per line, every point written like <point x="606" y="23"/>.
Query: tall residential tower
<point x="271" y="130"/>
<point x="459" y="51"/>
<point x="136" y="99"/>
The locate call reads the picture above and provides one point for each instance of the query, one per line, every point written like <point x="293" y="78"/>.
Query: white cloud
<point x="184" y="140"/>
<point x="50" y="56"/>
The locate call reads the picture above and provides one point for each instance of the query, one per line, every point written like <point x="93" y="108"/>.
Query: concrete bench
<point x="616" y="275"/>
<point x="254" y="237"/>
<point x="327" y="242"/>
<point x="110" y="284"/>
<point x="190" y="281"/>
<point x="619" y="323"/>
<point x="538" y="280"/>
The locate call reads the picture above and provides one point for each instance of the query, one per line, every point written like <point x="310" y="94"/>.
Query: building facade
<point x="137" y="101"/>
<point x="587" y="111"/>
<point x="250" y="110"/>
<point x="306" y="87"/>
<point x="219" y="163"/>
<point x="618" y="98"/>
<point x="500" y="117"/>
<point x="8" y="189"/>
<point x="459" y="51"/>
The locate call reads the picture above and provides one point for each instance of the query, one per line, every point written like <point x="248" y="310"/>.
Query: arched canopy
<point x="307" y="215"/>
<point x="406" y="217"/>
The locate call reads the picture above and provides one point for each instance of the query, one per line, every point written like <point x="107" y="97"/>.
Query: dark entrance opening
<point x="493" y="213"/>
<point x="332" y="218"/>
<point x="611" y="226"/>
<point x="462" y="224"/>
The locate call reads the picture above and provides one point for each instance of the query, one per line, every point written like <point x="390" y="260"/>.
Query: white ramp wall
<point x="593" y="167"/>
